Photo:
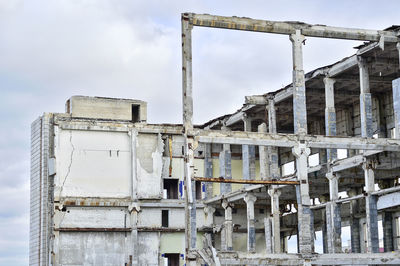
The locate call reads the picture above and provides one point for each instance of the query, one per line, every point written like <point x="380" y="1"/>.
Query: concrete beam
<point x="255" y="100"/>
<point x="388" y="201"/>
<point x="244" y="258"/>
<point x="288" y="28"/>
<point x="290" y="140"/>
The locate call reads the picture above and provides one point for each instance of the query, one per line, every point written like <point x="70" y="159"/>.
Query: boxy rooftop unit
<point x="107" y="108"/>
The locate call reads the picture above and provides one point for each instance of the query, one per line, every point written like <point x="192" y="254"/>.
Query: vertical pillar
<point x="333" y="218"/>
<point x="208" y="169"/>
<point x="248" y="155"/>
<point x="365" y="99"/>
<point x="268" y="235"/>
<point x="371" y="208"/>
<point x="187" y="97"/>
<point x="263" y="154"/>
<point x="251" y="230"/>
<point x="305" y="223"/>
<point x="367" y="131"/>
<point x="227" y="240"/>
<point x="273" y="151"/>
<point x="276" y="228"/>
<point x="305" y="237"/>
<point x="387" y="222"/>
<point x="354" y="223"/>
<point x="225" y="168"/>
<point x="274" y="174"/>
<point x="299" y="86"/>
<point x="396" y="105"/>
<point x="323" y="199"/>
<point x="134" y="209"/>
<point x="330" y="114"/>
<point x="209" y="215"/>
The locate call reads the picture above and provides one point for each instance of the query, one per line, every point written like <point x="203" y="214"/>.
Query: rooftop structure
<point x="107" y="188"/>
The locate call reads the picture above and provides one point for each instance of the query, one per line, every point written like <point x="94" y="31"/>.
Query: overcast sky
<point x="51" y="50"/>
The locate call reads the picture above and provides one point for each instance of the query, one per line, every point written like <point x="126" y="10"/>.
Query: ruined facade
<point x="107" y="188"/>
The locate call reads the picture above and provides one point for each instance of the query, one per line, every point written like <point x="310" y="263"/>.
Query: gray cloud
<point x="51" y="50"/>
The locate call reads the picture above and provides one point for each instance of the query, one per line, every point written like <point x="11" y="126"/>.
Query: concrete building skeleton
<point x="107" y="188"/>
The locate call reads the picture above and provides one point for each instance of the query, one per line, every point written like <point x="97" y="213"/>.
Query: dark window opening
<point x="173" y="259"/>
<point x="135" y="113"/>
<point x="164" y="218"/>
<point x="171" y="185"/>
<point x="234" y="210"/>
<point x="261" y="210"/>
<point x="218" y="213"/>
<point x="198" y="190"/>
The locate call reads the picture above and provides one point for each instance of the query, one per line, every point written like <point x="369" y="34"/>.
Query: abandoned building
<point x="318" y="155"/>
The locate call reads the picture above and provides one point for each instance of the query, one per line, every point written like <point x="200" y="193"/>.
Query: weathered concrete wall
<point x="149" y="243"/>
<point x="92" y="248"/>
<point x="149" y="149"/>
<point x="94" y="217"/>
<point x="92" y="163"/>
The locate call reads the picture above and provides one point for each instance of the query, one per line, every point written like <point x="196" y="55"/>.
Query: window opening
<point x="171" y="188"/>
<point x="164" y="218"/>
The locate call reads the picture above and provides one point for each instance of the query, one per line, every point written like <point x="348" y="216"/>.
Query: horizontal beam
<point x="245" y="181"/>
<point x="89" y="229"/>
<point x="242" y="258"/>
<point x="291" y="140"/>
<point x="234" y="195"/>
<point x="388" y="201"/>
<point x="287" y="28"/>
<point x="351" y="162"/>
<point x="255" y="100"/>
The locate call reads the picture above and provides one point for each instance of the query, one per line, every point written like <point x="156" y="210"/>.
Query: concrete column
<point x="208" y="169"/>
<point x="363" y="236"/>
<point x="268" y="235"/>
<point x="333" y="218"/>
<point x="387" y="223"/>
<point x="134" y="246"/>
<point x="209" y="216"/>
<point x="305" y="222"/>
<point x="251" y="230"/>
<point x="354" y="223"/>
<point x="396" y="104"/>
<point x="248" y="155"/>
<point x="226" y="241"/>
<point x="371" y="208"/>
<point x="299" y="87"/>
<point x="273" y="151"/>
<point x="323" y="199"/>
<point x="365" y="99"/>
<point x="263" y="153"/>
<point x="225" y="168"/>
<point x="190" y="199"/>
<point x="330" y="115"/>
<point x="276" y="227"/>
